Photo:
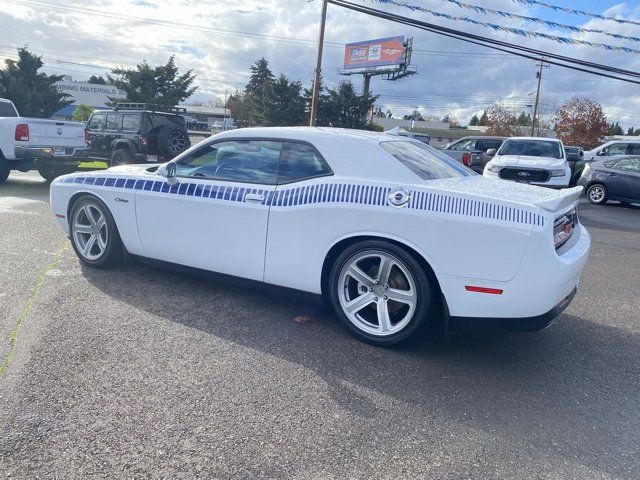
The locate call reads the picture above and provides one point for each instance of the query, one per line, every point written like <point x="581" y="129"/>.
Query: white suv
<point x="539" y="161"/>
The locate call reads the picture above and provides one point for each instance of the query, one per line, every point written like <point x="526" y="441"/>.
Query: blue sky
<point x="453" y="78"/>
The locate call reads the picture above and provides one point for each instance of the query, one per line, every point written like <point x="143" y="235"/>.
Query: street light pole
<point x="316" y="81"/>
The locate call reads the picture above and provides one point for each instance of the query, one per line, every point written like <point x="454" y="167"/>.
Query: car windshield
<point x="424" y="161"/>
<point x="7" y="110"/>
<point x="572" y="149"/>
<point x="532" y="148"/>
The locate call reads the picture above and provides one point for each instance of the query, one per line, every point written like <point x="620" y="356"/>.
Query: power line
<point x="574" y="11"/>
<point x="533" y="54"/>
<point x="503" y="28"/>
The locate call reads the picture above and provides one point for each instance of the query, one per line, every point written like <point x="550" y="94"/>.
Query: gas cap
<point x="399" y="197"/>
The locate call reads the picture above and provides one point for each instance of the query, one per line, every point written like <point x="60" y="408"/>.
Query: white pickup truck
<point x="50" y="146"/>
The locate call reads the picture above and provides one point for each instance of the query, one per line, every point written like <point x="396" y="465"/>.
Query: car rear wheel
<point x="597" y="193"/>
<point x="381" y="292"/>
<point x="94" y="235"/>
<point x="121" y="156"/>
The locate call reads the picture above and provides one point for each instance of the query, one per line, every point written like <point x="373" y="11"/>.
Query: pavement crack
<point x="13" y="338"/>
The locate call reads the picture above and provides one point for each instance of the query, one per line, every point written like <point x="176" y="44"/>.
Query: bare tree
<point x="502" y="121"/>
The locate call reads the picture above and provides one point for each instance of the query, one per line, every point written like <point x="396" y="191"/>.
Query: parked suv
<point x="137" y="133"/>
<point x="472" y="151"/>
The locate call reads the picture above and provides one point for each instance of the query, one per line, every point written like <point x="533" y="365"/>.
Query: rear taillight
<point x="466" y="159"/>
<point x="86" y="136"/>
<point x="22" y="132"/>
<point x="563" y="228"/>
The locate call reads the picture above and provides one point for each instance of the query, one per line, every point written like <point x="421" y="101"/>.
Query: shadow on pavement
<point x="553" y="390"/>
<point x="28" y="186"/>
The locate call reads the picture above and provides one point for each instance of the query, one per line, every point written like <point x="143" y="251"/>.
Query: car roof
<point x="307" y="133"/>
<point x="535" y="138"/>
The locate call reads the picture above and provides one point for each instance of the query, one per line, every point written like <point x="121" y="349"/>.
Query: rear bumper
<point x="47" y="152"/>
<point x="526" y="324"/>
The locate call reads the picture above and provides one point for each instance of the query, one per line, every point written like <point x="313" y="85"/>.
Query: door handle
<point x="254" y="197"/>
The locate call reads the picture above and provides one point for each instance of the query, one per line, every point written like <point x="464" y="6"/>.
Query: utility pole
<point x="535" y="105"/>
<point x="316" y="81"/>
<point x="224" y="117"/>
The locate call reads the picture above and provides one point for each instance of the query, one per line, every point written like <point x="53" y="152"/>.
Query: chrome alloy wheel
<point x="90" y="231"/>
<point x="377" y="293"/>
<point x="596" y="193"/>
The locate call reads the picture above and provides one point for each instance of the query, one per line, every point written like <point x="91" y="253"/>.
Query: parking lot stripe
<point x="6" y="361"/>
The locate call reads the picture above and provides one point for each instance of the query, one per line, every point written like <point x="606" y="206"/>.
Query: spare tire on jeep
<point x="172" y="140"/>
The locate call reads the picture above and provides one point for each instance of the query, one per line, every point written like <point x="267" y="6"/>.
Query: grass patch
<point x="93" y="165"/>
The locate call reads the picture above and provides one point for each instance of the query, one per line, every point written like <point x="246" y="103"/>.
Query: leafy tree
<point x="34" y="94"/>
<point x="82" y="113"/>
<point x="160" y="85"/>
<point x="483" y="119"/>
<point x="284" y="104"/>
<point x="501" y="121"/>
<point x="445" y="119"/>
<point x="581" y="121"/>
<point x="99" y="80"/>
<point x="417" y="116"/>
<point x="474" y="121"/>
<point x="242" y="109"/>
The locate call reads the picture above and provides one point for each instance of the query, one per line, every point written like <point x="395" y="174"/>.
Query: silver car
<point x="474" y="151"/>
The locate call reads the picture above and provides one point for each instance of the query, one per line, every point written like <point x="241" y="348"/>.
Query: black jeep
<point x="137" y="133"/>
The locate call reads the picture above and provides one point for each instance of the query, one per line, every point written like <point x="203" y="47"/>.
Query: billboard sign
<point x="379" y="54"/>
<point x="94" y="95"/>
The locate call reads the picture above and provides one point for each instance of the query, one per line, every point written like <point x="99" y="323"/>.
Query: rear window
<point x="7" y="110"/>
<point x="423" y="160"/>
<point x="532" y="148"/>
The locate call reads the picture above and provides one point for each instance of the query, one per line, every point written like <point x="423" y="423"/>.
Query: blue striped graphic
<point x="326" y="193"/>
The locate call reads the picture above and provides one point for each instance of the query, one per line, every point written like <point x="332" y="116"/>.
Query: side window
<point x="633" y="149"/>
<point x="112" y="122"/>
<point x="96" y="122"/>
<point x="616" y="149"/>
<point x="253" y="161"/>
<point x="300" y="161"/>
<point x="465" y="145"/>
<point x="485" y="145"/>
<point x="130" y="122"/>
<point x="628" y="165"/>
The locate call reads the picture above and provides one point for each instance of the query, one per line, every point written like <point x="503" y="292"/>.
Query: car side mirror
<point x="601" y="153"/>
<point x="170" y="172"/>
<point x="491" y="151"/>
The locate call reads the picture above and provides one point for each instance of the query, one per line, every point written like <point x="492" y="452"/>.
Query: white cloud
<point x="90" y="37"/>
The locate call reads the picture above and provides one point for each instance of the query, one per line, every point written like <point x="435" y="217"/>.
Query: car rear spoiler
<point x="563" y="199"/>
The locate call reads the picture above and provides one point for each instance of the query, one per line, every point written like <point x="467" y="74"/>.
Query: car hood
<point x="525" y="161"/>
<point x="480" y="187"/>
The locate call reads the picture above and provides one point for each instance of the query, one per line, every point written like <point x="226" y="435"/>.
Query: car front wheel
<point x="597" y="193"/>
<point x="94" y="235"/>
<point x="381" y="292"/>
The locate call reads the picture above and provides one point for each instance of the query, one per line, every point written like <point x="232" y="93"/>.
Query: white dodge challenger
<point x="392" y="232"/>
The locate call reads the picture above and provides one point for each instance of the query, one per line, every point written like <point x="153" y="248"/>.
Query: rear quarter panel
<point x="458" y="235"/>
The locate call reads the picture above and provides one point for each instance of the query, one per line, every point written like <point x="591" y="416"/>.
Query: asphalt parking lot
<point x="140" y="372"/>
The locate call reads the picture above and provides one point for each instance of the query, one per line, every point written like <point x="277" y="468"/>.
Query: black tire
<point x="51" y="173"/>
<point x="339" y="286"/>
<point x="172" y="140"/>
<point x="121" y="156"/>
<point x="5" y="169"/>
<point x="112" y="253"/>
<point x="597" y="193"/>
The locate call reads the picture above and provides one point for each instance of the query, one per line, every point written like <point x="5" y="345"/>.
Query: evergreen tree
<point x="474" y="121"/>
<point x="34" y="94"/>
<point x="483" y="119"/>
<point x="283" y="102"/>
<point x="160" y="85"/>
<point x="99" y="80"/>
